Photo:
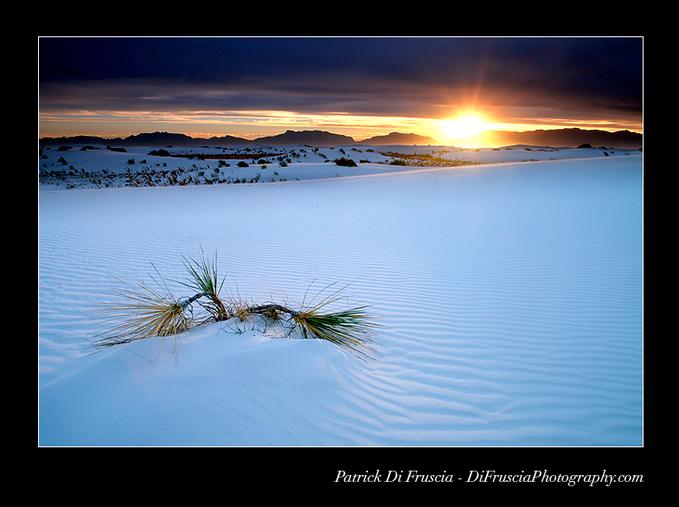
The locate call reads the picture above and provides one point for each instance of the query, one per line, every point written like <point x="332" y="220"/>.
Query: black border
<point x="300" y="468"/>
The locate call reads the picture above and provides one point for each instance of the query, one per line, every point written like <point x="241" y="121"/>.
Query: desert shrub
<point x="159" y="153"/>
<point x="64" y="148"/>
<point x="585" y="145"/>
<point x="345" y="162"/>
<point x="283" y="164"/>
<point x="130" y="161"/>
<point x="364" y="161"/>
<point x="242" y="163"/>
<point x="121" y="150"/>
<point x="62" y="161"/>
<point x="398" y="162"/>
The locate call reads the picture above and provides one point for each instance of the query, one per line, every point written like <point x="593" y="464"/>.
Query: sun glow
<point x="465" y="127"/>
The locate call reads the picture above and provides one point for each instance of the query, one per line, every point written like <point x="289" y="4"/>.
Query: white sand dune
<point x="510" y="298"/>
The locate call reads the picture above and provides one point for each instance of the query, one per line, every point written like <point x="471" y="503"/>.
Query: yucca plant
<point x="147" y="312"/>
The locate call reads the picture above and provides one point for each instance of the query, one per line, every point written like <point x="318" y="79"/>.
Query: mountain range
<point x="571" y="137"/>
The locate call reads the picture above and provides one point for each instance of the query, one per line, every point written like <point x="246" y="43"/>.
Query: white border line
<point x="643" y="406"/>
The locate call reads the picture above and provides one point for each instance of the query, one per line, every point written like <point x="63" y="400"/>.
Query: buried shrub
<point x="148" y="311"/>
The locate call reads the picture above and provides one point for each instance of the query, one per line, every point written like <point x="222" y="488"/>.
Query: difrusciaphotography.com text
<point x="543" y="476"/>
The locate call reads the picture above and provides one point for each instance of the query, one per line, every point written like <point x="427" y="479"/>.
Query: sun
<point x="465" y="126"/>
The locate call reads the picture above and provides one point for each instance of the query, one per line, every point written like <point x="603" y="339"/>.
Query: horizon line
<point x="310" y="129"/>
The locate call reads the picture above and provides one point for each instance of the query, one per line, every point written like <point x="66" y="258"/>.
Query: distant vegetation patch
<point x="424" y="160"/>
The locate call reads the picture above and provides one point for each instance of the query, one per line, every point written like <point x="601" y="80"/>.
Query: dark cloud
<point x="396" y="77"/>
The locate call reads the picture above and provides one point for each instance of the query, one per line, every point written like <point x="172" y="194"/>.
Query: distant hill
<point x="78" y="140"/>
<point x="160" y="139"/>
<point x="398" y="138"/>
<point x="573" y="137"/>
<point x="225" y="141"/>
<point x="311" y="137"/>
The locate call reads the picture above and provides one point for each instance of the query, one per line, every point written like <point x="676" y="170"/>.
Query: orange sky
<point x="251" y="124"/>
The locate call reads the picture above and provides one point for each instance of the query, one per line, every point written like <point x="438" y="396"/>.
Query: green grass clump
<point x="205" y="279"/>
<point x="144" y="313"/>
<point x="346" y="328"/>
